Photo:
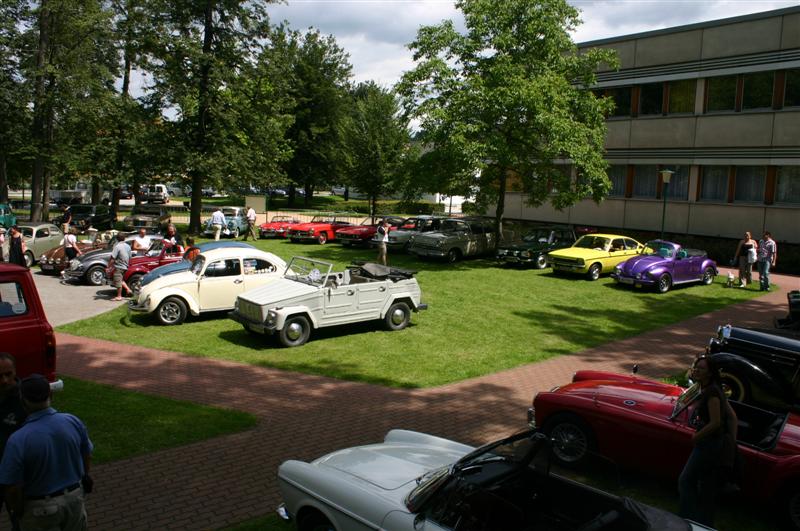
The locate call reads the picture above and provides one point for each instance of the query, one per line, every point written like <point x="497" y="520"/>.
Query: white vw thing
<point x="310" y="295"/>
<point x="213" y="282"/>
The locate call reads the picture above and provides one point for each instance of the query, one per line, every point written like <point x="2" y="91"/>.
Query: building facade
<point x="716" y="103"/>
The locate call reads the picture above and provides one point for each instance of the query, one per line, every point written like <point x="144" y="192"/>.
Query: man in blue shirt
<point x="45" y="465"/>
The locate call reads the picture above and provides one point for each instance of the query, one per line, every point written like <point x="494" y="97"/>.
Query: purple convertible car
<point x="664" y="264"/>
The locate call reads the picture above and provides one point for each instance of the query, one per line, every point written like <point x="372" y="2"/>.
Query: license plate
<point x="626" y="280"/>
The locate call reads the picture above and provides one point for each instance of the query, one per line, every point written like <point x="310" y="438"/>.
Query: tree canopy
<point x="508" y="102"/>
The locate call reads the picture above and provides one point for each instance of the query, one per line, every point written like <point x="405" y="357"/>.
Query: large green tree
<point x="375" y="144"/>
<point x="320" y="73"/>
<point x="14" y="115"/>
<point x="507" y="99"/>
<point x="202" y="49"/>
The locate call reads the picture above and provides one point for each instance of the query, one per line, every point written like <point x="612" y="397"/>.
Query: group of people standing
<point x="46" y="456"/>
<point x="15" y="244"/>
<point x="762" y="253"/>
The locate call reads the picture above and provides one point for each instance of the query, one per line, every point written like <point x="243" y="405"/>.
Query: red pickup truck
<point x="24" y="330"/>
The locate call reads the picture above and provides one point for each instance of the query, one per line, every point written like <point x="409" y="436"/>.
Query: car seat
<point x="663" y="252"/>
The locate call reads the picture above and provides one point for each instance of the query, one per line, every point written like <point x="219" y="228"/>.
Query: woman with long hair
<point x="746" y="253"/>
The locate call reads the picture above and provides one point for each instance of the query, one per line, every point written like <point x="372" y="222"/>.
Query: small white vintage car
<point x="211" y="284"/>
<point x="418" y="482"/>
<point x="311" y="295"/>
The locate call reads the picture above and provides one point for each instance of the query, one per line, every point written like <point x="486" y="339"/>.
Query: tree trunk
<point x="38" y="130"/>
<point x="309" y="190"/>
<point x="119" y="163"/>
<point x="3" y="179"/>
<point x="202" y="116"/>
<point x="501" y="207"/>
<point x="96" y="191"/>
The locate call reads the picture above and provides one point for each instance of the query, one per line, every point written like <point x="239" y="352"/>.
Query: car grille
<point x="250" y="311"/>
<point x="299" y="233"/>
<point x="348" y="236"/>
<point x="558" y="261"/>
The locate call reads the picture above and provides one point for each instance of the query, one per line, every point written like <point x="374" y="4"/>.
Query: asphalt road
<point x="65" y="303"/>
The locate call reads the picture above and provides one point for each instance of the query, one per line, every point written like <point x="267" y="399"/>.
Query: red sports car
<point x="277" y="226"/>
<point x="156" y="256"/>
<point x="320" y="228"/>
<point x="362" y="234"/>
<point x="643" y="424"/>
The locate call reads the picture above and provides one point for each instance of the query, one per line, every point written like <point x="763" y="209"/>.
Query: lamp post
<point x="666" y="175"/>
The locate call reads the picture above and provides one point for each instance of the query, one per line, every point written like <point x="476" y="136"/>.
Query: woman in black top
<point x="16" y="247"/>
<point x="746" y="257"/>
<point x="700" y="480"/>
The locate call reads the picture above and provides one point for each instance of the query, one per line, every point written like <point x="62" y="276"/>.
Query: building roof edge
<point x="693" y="26"/>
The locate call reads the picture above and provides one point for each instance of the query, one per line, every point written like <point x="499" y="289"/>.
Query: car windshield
<point x="593" y="242"/>
<point x="308" y="271"/>
<point x="322" y="219"/>
<point x="687" y="397"/>
<point x="452" y="225"/>
<point x="197" y="265"/>
<point x="230" y="212"/>
<point x="662" y="249"/>
<point x="146" y="211"/>
<point x="538" y="236"/>
<point x="276" y="219"/>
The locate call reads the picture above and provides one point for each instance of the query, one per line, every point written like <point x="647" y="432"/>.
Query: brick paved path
<point x="229" y="479"/>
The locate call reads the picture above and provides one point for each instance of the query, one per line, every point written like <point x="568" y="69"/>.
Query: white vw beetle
<point x="212" y="284"/>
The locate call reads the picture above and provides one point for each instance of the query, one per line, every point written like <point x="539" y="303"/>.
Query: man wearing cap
<point x="12" y="414"/>
<point x="45" y="466"/>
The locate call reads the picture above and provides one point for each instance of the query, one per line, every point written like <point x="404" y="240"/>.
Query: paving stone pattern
<point x="219" y="482"/>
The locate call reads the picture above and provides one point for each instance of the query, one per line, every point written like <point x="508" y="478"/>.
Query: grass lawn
<point x="150" y="423"/>
<point x="481" y="319"/>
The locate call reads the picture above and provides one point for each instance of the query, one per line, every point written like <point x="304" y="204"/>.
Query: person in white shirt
<point x="251" y="224"/>
<point x="383" y="237"/>
<point x="141" y="243"/>
<point x="217" y="222"/>
<point x="71" y="249"/>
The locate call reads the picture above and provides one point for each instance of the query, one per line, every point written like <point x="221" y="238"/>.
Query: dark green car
<point x="7" y="217"/>
<point x="535" y="245"/>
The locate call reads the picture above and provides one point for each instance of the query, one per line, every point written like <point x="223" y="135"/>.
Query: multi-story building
<point x="718" y="104"/>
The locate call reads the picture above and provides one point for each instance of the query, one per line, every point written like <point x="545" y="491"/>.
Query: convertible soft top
<point x="380" y="271"/>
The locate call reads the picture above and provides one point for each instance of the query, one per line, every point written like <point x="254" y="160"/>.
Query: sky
<point x="375" y="33"/>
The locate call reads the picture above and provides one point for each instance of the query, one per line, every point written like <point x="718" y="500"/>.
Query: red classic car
<point x="362" y="234"/>
<point x="277" y="226"/>
<point x="643" y="424"/>
<point x="320" y="228"/>
<point x="156" y="256"/>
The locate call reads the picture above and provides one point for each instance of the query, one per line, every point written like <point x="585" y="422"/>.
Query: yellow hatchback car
<point x="594" y="254"/>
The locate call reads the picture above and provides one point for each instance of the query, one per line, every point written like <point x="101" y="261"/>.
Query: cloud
<point x="376" y="32"/>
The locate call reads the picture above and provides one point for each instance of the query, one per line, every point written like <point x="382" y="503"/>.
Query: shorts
<point x="70" y="252"/>
<point x="117" y="281"/>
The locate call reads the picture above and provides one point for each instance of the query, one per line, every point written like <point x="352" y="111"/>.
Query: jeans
<point x="698" y="483"/>
<point x="763" y="274"/>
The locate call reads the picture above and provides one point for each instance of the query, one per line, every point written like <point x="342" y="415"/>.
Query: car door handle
<point x="382" y="288"/>
<point x="238" y="281"/>
<point x="350" y="292"/>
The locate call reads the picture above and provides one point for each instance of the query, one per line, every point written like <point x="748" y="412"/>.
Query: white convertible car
<point x="418" y="482"/>
<point x="212" y="284"/>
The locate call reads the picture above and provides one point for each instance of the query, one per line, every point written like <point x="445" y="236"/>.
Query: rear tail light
<point x="50" y="354"/>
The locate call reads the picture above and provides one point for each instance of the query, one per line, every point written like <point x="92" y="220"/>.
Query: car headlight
<point x="440" y="243"/>
<point x="638" y="276"/>
<point x="525" y="254"/>
<point x="310" y="231"/>
<point x="272" y="318"/>
<point x="57" y="260"/>
<point x="43" y="258"/>
<point x="618" y="269"/>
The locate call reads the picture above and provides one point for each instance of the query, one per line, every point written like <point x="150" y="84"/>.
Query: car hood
<point x="389" y="466"/>
<point x="165" y="270"/>
<point x="283" y="291"/>
<point x="103" y="253"/>
<point x="307" y="226"/>
<point x="640" y="264"/>
<point x="358" y="230"/>
<point x="579" y="252"/>
<point x="145" y="217"/>
<point x="525" y="246"/>
<point x="175" y="279"/>
<point x="649" y="398"/>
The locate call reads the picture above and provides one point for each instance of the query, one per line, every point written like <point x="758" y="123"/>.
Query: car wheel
<point x="322" y="238"/>
<point x="398" y="316"/>
<point x="135" y="282"/>
<point x="96" y="276"/>
<point x="594" y="271"/>
<point x="29" y="259"/>
<point x="734" y="387"/>
<point x="572" y="439"/>
<point x="664" y="283"/>
<point x="541" y="261"/>
<point x="295" y="332"/>
<point x="791" y="504"/>
<point x="315" y="522"/>
<point x="453" y="255"/>
<point x="171" y="311"/>
<point x="708" y="276"/>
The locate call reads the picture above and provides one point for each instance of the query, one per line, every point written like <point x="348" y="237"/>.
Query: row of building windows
<point x="734" y="93"/>
<point x="726" y="184"/>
